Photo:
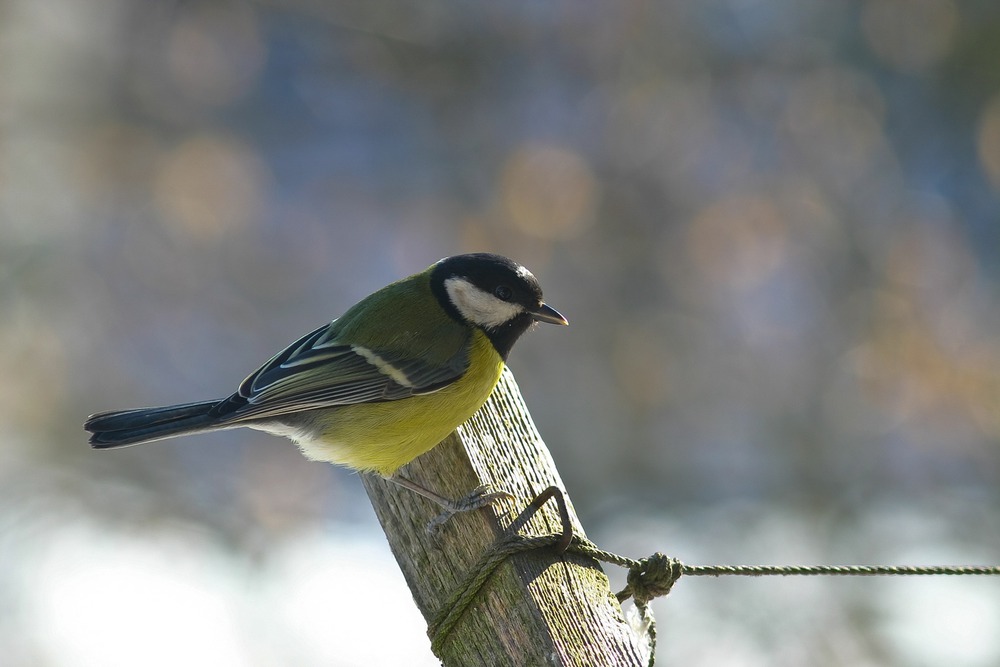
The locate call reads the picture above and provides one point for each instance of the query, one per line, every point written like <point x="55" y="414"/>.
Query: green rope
<point x="648" y="578"/>
<point x="452" y="611"/>
<point x="838" y="570"/>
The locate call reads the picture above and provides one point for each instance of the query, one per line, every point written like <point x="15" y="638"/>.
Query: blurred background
<point x="772" y="224"/>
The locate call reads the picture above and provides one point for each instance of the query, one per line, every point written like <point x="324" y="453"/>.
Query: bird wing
<point x="318" y="371"/>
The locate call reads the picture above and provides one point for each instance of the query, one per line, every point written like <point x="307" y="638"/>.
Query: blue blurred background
<point x="773" y="226"/>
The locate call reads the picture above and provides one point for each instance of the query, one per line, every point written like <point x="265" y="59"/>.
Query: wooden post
<point x="539" y="607"/>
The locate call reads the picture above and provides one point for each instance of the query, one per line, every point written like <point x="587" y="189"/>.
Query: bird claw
<point x="481" y="496"/>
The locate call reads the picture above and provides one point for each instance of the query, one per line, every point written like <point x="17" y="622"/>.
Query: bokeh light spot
<point x="214" y="55"/>
<point x="738" y="241"/>
<point x="836" y="118"/>
<point x="988" y="142"/>
<point x="548" y="192"/>
<point x="641" y="365"/>
<point x="909" y="35"/>
<point x="211" y="186"/>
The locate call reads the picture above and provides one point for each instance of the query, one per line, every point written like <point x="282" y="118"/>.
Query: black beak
<point x="545" y="313"/>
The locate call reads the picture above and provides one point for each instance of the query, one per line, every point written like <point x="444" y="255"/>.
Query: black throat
<point x="504" y="336"/>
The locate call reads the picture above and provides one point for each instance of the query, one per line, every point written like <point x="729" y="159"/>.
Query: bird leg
<point x="481" y="496"/>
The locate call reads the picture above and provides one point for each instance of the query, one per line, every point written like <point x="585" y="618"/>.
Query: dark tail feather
<point x="131" y="427"/>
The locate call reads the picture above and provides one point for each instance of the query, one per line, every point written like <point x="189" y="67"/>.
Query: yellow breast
<point x="381" y="437"/>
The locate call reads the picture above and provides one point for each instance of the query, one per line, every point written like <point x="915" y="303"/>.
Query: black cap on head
<point x="489" y="272"/>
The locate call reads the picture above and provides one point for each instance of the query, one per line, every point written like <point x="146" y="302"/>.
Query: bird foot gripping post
<point x="544" y="606"/>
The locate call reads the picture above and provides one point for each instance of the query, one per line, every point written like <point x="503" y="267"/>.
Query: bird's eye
<point x="503" y="292"/>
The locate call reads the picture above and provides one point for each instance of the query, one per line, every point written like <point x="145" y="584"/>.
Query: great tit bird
<point x="380" y="385"/>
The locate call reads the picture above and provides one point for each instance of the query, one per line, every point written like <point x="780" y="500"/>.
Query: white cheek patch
<point x="479" y="307"/>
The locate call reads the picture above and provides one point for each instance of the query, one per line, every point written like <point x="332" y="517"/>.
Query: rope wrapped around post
<point x="648" y="578"/>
